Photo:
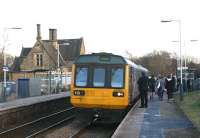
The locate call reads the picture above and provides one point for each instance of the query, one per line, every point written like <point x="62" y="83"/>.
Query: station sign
<point x="5" y="68"/>
<point x="183" y="68"/>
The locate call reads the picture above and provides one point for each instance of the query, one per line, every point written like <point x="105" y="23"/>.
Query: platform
<point x="162" y="119"/>
<point x="31" y="100"/>
<point x="25" y="109"/>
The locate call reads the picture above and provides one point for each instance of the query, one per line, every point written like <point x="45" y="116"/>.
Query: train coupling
<point x="96" y="115"/>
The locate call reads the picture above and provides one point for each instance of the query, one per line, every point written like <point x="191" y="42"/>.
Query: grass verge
<point x="191" y="106"/>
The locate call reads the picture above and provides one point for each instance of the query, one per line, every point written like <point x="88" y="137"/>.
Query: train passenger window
<point x="117" y="77"/>
<point x="81" y="76"/>
<point x="99" y="77"/>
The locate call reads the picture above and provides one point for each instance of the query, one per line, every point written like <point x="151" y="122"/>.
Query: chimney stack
<point x="38" y="32"/>
<point x="52" y="34"/>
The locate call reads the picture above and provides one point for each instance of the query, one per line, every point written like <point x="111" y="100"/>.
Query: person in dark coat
<point x="174" y="84"/>
<point x="169" y="86"/>
<point x="152" y="85"/>
<point x="143" y="88"/>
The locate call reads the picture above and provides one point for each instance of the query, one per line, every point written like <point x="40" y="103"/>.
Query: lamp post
<point x="181" y="71"/>
<point x="5" y="67"/>
<point x="185" y="60"/>
<point x="186" y="50"/>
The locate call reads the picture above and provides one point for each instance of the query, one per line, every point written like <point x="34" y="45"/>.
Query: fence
<point x="196" y="84"/>
<point x="29" y="87"/>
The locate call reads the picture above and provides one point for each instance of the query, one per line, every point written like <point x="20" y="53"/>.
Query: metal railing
<point x="34" y="87"/>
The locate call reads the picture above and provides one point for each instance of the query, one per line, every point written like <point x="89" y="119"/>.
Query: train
<point x="104" y="84"/>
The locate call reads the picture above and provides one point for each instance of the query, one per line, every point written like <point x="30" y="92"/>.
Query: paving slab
<point x="162" y="119"/>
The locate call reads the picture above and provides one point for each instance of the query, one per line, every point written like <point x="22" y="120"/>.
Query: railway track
<point x="40" y="125"/>
<point x="82" y="130"/>
<point x="94" y="130"/>
<point x="98" y="130"/>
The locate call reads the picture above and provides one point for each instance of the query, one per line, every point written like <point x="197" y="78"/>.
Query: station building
<point x="55" y="55"/>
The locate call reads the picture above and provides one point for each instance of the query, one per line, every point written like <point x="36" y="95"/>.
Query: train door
<point x="131" y="85"/>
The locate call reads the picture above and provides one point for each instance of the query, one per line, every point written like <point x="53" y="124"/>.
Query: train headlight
<point x="118" y="94"/>
<point x="79" y="93"/>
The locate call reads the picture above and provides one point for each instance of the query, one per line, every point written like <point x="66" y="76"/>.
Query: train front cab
<point x="112" y="95"/>
<point x="101" y="97"/>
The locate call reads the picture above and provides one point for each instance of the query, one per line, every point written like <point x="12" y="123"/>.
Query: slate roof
<point x="25" y="52"/>
<point x="18" y="60"/>
<point x="70" y="48"/>
<point x="16" y="64"/>
<point x="50" y="50"/>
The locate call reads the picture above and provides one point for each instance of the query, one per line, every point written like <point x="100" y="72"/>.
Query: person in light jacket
<point x="160" y="87"/>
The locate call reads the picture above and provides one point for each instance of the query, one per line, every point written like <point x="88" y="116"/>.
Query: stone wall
<point x="17" y="75"/>
<point x="29" y="63"/>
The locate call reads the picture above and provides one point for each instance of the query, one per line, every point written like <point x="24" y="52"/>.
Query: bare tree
<point x="130" y="56"/>
<point x="158" y="62"/>
<point x="9" y="59"/>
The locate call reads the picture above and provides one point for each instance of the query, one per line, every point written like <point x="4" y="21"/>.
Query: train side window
<point x="117" y="77"/>
<point x="99" y="77"/>
<point x="81" y="76"/>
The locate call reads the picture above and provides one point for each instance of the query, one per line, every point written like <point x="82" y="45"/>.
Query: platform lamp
<point x="185" y="59"/>
<point x="5" y="67"/>
<point x="181" y="71"/>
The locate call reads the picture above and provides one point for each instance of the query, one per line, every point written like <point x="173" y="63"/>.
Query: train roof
<point x="140" y="67"/>
<point x="106" y="58"/>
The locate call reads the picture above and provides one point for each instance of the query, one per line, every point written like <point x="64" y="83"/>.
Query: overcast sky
<point x="106" y="25"/>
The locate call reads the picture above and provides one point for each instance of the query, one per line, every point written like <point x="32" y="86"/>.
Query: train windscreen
<point x="81" y="76"/>
<point x="99" y="77"/>
<point x="107" y="76"/>
<point x="117" y="77"/>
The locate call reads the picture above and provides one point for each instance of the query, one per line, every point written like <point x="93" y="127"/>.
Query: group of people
<point x="155" y="86"/>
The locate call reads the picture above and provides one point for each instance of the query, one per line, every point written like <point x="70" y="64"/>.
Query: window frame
<point x="108" y="71"/>
<point x="38" y="59"/>
<point x="118" y="66"/>
<point x="92" y="82"/>
<point x="87" y="81"/>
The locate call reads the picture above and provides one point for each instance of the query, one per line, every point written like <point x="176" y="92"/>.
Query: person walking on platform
<point x="160" y="87"/>
<point x="169" y="86"/>
<point x="174" y="84"/>
<point x="143" y="88"/>
<point x="152" y="83"/>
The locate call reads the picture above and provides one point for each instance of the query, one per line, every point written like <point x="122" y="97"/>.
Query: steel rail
<point x="37" y="120"/>
<point x="49" y="127"/>
<point x="83" y="129"/>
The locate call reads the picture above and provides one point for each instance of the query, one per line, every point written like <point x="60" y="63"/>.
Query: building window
<point x="39" y="60"/>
